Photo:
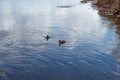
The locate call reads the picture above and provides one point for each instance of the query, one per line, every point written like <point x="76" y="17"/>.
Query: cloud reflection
<point x="8" y="18"/>
<point x="29" y="21"/>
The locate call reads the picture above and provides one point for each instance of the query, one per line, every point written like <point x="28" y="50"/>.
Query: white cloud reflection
<point x="84" y="27"/>
<point x="36" y="20"/>
<point x="8" y="17"/>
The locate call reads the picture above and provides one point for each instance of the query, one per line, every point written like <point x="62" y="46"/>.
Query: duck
<point x="61" y="42"/>
<point x="47" y="37"/>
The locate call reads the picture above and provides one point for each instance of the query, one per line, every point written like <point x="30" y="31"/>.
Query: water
<point x="91" y="51"/>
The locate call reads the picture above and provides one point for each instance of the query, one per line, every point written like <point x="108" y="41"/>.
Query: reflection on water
<point x="90" y="51"/>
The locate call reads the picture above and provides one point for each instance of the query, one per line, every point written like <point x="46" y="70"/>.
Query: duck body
<point x="47" y="37"/>
<point x="61" y="42"/>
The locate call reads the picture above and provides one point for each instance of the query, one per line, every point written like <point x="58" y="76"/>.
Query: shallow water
<point x="91" y="51"/>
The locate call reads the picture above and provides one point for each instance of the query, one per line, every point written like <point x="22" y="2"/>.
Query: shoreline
<point x="107" y="8"/>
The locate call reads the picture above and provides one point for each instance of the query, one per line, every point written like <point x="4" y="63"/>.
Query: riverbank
<point x="108" y="7"/>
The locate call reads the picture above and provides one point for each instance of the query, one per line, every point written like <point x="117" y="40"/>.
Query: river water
<point x="91" y="51"/>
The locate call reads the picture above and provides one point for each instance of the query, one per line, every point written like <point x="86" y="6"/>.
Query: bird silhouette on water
<point x="47" y="37"/>
<point x="61" y="42"/>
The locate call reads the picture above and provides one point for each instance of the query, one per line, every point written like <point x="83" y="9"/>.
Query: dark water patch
<point x="3" y="74"/>
<point x="66" y="6"/>
<point x="83" y="1"/>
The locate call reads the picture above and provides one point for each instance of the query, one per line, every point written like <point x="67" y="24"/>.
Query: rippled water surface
<point x="91" y="51"/>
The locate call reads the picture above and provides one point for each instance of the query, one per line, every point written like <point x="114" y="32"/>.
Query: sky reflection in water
<point x="88" y="54"/>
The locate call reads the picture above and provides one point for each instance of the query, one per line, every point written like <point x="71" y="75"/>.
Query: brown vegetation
<point x="109" y="7"/>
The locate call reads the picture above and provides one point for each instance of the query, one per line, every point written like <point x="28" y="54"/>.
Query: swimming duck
<point x="47" y="37"/>
<point x="61" y="42"/>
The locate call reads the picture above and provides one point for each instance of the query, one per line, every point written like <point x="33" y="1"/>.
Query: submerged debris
<point x="84" y="1"/>
<point x="67" y="6"/>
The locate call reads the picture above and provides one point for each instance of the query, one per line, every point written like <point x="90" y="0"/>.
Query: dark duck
<point x="61" y="42"/>
<point x="47" y="37"/>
